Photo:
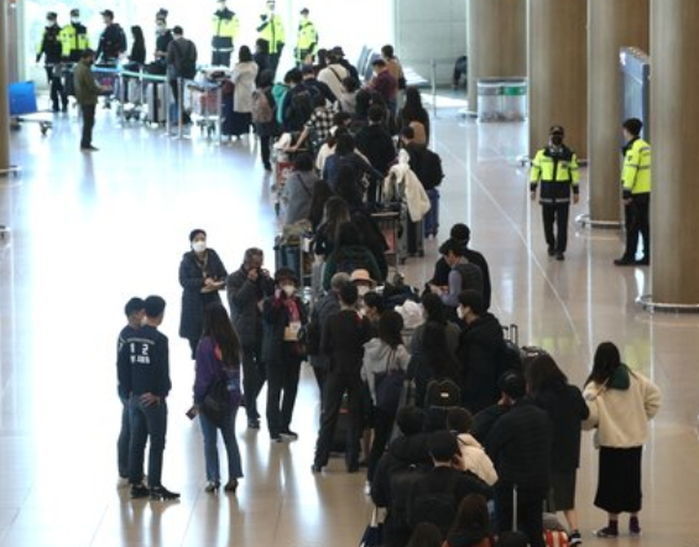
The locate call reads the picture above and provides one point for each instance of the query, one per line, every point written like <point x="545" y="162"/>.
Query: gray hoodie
<point x="379" y="358"/>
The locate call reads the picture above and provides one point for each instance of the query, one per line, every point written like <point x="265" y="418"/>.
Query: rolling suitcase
<point x="155" y="99"/>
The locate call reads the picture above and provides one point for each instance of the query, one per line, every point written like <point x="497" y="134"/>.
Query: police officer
<point x="307" y="41"/>
<point x="636" y="180"/>
<point x="272" y="32"/>
<point x="112" y="42"/>
<point x="51" y="48"/>
<point x="74" y="38"/>
<point x="225" y="26"/>
<point x="556" y="167"/>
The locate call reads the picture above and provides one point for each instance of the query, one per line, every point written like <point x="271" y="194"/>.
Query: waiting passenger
<point x="549" y="388"/>
<point x="375" y="142"/>
<point x="414" y="115"/>
<point x="621" y="403"/>
<point x="298" y="190"/>
<point x="202" y="275"/>
<point x="473" y="456"/>
<point x="463" y="275"/>
<point x="318" y="126"/>
<point x="349" y="254"/>
<point x="263" y="115"/>
<point x="283" y="317"/>
<point x="348" y="97"/>
<point x="218" y="360"/>
<point x="243" y="78"/>
<point x="471" y="527"/>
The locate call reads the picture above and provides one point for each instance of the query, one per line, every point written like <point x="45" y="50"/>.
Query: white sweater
<point x="621" y="416"/>
<point x="475" y="460"/>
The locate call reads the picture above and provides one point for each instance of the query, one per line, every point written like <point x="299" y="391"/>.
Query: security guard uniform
<point x="51" y="48"/>
<point x="226" y="26"/>
<point x="307" y="39"/>
<point x="272" y="32"/>
<point x="556" y="167"/>
<point x="74" y="38"/>
<point x="636" y="179"/>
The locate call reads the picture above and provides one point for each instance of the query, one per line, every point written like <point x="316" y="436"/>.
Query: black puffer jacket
<point x="243" y="298"/>
<point x="481" y="351"/>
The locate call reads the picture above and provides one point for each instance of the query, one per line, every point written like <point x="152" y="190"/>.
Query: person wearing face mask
<point x="556" y="168"/>
<point x="271" y="30"/>
<point x="202" y="275"/>
<point x="112" y="43"/>
<point x="74" y="38"/>
<point x="463" y="276"/>
<point x="226" y="26"/>
<point x="363" y="281"/>
<point x="283" y="316"/>
<point x="480" y="354"/>
<point x="51" y="48"/>
<point x="162" y="41"/>
<point x="87" y="91"/>
<point x="307" y="41"/>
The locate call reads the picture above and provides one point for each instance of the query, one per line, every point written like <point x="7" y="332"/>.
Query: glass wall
<point x="339" y="22"/>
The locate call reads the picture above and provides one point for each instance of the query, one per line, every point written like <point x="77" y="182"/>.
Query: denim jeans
<point x="147" y="421"/>
<point x="124" y="439"/>
<point x="431" y="221"/>
<point x="210" y="432"/>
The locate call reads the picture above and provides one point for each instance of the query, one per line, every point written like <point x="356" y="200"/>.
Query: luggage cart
<point x="108" y="76"/>
<point x="22" y="98"/>
<point x="296" y="255"/>
<point x="132" y="95"/>
<point x="390" y="222"/>
<point x="205" y="104"/>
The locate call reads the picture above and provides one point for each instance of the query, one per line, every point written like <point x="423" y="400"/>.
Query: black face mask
<point x="557" y="140"/>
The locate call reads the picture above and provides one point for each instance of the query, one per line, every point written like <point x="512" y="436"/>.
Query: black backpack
<point x="217" y="402"/>
<point x="443" y="393"/>
<point x="431" y="173"/>
<point x="301" y="106"/>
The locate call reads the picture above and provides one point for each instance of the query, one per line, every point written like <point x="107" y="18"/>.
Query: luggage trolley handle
<point x="512" y="333"/>
<point x="515" y="516"/>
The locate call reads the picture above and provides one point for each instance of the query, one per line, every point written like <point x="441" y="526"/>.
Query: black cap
<point x="337" y="50"/>
<point x="305" y="11"/>
<point x="75" y="12"/>
<point x="557" y="130"/>
<point x="108" y="13"/>
<point x="161" y="13"/>
<point x="52" y="15"/>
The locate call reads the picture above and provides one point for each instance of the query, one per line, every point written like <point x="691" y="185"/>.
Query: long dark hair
<point x="390" y="327"/>
<point x="472" y="517"/>
<point x="607" y="360"/>
<point x="218" y="326"/>
<point x="434" y="307"/>
<point x="244" y="55"/>
<point x="335" y="213"/>
<point x="413" y="109"/>
<point x="436" y="354"/>
<point x="543" y="373"/>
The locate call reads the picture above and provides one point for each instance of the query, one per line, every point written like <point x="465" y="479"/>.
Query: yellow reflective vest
<point x="636" y="176"/>
<point x="272" y="31"/>
<point x="226" y="26"/>
<point x="558" y="171"/>
<point x="308" y="37"/>
<point x="74" y="40"/>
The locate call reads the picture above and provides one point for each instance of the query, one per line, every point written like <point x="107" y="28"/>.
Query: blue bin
<point x="22" y="98"/>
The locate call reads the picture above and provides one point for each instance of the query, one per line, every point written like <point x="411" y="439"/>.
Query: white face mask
<point x="460" y="313"/>
<point x="199" y="246"/>
<point x="363" y="290"/>
<point x="289" y="290"/>
<point x="75" y="20"/>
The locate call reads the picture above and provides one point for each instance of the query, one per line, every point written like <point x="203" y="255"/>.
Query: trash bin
<point x="514" y="99"/>
<point x="489" y="99"/>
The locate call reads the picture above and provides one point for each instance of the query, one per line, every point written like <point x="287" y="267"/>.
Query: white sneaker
<point x="123" y="482"/>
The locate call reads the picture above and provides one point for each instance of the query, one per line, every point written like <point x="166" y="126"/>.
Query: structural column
<point x="558" y="71"/>
<point x="497" y="41"/>
<point x="675" y="140"/>
<point x="4" y="106"/>
<point x="611" y="25"/>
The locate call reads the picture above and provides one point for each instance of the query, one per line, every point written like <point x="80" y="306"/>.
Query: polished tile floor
<point x="89" y="231"/>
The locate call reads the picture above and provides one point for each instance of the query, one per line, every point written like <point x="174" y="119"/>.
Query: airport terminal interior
<point x="85" y="231"/>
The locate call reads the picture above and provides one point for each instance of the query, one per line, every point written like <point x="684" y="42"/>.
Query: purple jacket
<point x="208" y="368"/>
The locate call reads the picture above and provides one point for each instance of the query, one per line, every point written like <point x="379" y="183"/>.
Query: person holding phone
<point x="144" y="377"/>
<point x="283" y="316"/>
<point x="202" y="276"/>
<point x="246" y="289"/>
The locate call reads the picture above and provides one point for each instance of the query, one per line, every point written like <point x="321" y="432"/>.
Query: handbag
<point x="373" y="534"/>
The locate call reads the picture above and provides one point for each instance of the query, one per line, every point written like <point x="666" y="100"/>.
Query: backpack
<point x="443" y="393"/>
<point x="262" y="111"/>
<point x="431" y="174"/>
<point x="217" y="402"/>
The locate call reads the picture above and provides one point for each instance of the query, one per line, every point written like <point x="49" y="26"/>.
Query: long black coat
<point x="192" y="275"/>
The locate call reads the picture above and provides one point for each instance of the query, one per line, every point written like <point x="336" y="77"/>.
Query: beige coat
<point x="475" y="460"/>
<point x="621" y="416"/>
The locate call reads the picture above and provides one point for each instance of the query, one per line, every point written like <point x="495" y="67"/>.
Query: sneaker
<point x="643" y="262"/>
<point x="212" y="486"/>
<point x="89" y="148"/>
<point x="289" y="433"/>
<point x="634" y="527"/>
<point x="574" y="538"/>
<point x="609" y="531"/>
<point x="552" y="251"/>
<point x="625" y="261"/>
<point x="139" y="491"/>
<point x="315" y="468"/>
<point x="123" y="482"/>
<point x="162" y="493"/>
<point x="276" y="438"/>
